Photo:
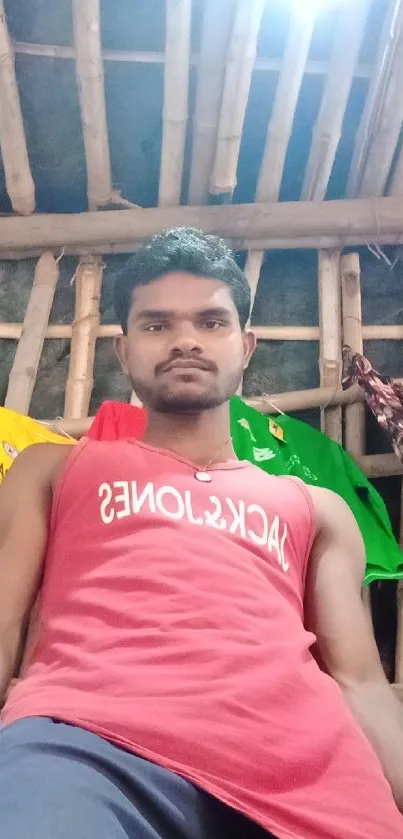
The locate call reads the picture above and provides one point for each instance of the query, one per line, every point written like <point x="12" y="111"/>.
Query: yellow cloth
<point x="17" y="432"/>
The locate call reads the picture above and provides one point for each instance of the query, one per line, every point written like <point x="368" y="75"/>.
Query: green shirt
<point x="318" y="460"/>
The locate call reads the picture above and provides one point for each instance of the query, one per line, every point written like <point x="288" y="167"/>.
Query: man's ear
<point x="249" y="346"/>
<point x="121" y="348"/>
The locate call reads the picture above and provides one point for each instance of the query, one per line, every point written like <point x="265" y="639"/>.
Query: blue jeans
<point x="58" y="781"/>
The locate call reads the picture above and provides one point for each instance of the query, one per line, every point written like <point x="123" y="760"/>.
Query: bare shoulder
<point x="38" y="465"/>
<point x="331" y="511"/>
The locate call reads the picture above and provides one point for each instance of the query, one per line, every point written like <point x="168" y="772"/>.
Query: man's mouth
<point x="188" y="364"/>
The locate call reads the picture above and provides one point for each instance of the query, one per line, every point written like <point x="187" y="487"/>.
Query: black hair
<point x="182" y="249"/>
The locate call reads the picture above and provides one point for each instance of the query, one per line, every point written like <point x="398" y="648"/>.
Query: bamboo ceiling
<point x="168" y="102"/>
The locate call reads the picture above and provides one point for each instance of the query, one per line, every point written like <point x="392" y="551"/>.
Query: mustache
<point x="186" y="361"/>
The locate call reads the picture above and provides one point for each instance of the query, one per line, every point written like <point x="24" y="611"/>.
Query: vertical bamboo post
<point x="330" y="337"/>
<point x="352" y="335"/>
<point x="85" y="328"/>
<point x="24" y="370"/>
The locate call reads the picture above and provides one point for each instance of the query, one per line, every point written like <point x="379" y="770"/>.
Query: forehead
<point x="182" y="293"/>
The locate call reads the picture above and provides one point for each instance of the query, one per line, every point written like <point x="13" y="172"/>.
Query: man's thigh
<point x="61" y="782"/>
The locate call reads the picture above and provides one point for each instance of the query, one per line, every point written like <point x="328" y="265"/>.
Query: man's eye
<point x="212" y="325"/>
<point x="155" y="327"/>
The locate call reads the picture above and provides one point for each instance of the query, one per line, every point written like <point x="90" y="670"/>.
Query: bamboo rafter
<point x="19" y="182"/>
<point x="90" y="81"/>
<point x="238" y="74"/>
<point x="328" y="128"/>
<point x="216" y="30"/>
<point x="281" y="124"/>
<point x="373" y="117"/>
<point x="176" y="85"/>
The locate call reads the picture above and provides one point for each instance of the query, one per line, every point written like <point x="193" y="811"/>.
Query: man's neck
<point x="203" y="438"/>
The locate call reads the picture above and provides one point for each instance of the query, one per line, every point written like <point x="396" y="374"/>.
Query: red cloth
<point x="171" y="623"/>
<point x="118" y="420"/>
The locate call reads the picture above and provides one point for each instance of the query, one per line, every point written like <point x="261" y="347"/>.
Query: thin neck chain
<point x="215" y="455"/>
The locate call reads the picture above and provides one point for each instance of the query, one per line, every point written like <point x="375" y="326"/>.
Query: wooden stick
<point x="285" y="104"/>
<point x="253" y="267"/>
<point x="381" y="332"/>
<point x="256" y="224"/>
<point x="328" y="128"/>
<point x="90" y="82"/>
<point x="330" y="337"/>
<point x="85" y="329"/>
<point x="237" y="242"/>
<point x="262" y="64"/>
<point x="374" y="98"/>
<point x="25" y="367"/>
<point x="353" y="337"/>
<point x="238" y="74"/>
<point x="216" y="29"/>
<point x="19" y="182"/>
<point x="379" y="116"/>
<point x="176" y="85"/>
<point x="281" y="123"/>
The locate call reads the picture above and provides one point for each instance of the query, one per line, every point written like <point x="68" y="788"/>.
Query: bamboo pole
<point x="88" y="282"/>
<point x="238" y="75"/>
<point x="239" y="243"/>
<point x="19" y="182"/>
<point x="285" y="104"/>
<point x="330" y="337"/>
<point x="176" y="86"/>
<point x="388" y="122"/>
<point x="353" y="337"/>
<point x="328" y="128"/>
<point x="381" y="332"/>
<point x="25" y="367"/>
<point x="371" y="118"/>
<point x="256" y="224"/>
<point x="253" y="267"/>
<point x="262" y="64"/>
<point x="216" y="29"/>
<point x="90" y="82"/>
<point x="281" y="122"/>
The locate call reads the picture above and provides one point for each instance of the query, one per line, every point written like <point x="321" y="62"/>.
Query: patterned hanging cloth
<point x="383" y="395"/>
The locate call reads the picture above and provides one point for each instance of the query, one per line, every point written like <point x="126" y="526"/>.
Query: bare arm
<point x="346" y="645"/>
<point x="25" y="503"/>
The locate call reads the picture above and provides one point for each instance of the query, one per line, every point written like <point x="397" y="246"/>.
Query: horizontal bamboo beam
<point x="267" y="65"/>
<point x="239" y="243"/>
<point x="252" y="222"/>
<point x="375" y="332"/>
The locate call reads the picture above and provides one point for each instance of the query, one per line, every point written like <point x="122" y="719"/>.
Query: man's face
<point x="185" y="351"/>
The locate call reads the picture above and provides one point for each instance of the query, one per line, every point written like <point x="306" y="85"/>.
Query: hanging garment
<point x="383" y="395"/>
<point x="282" y="445"/>
<point x="17" y="432"/>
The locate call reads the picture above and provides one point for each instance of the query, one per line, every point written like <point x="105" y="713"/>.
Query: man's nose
<point x="186" y="340"/>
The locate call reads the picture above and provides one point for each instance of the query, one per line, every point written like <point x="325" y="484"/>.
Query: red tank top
<point x="171" y="623"/>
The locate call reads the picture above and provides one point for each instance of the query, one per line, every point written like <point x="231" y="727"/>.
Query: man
<point x="186" y="600"/>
